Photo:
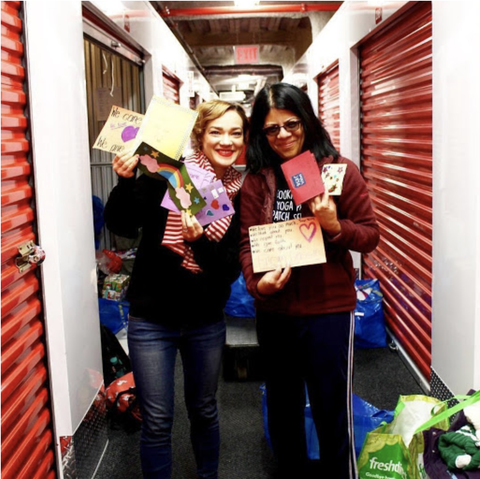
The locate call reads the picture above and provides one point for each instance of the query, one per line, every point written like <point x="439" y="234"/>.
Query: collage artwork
<point x="159" y="138"/>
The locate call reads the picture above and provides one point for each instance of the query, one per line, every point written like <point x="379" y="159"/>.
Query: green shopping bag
<point x="395" y="450"/>
<point x="385" y="453"/>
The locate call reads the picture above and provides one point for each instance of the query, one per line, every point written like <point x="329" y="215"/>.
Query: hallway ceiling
<point x="216" y="34"/>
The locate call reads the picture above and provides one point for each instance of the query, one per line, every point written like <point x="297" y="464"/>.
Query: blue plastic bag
<point x="240" y="303"/>
<point x="369" y="318"/>
<point x="113" y="314"/>
<point x="313" y="450"/>
<point x="366" y="418"/>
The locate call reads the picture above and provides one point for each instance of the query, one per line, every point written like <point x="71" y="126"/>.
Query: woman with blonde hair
<point x="179" y="286"/>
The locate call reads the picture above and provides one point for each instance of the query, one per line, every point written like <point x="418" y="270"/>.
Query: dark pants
<point x="153" y="350"/>
<point x="318" y="351"/>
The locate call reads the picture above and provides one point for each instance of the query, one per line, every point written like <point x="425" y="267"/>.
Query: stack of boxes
<point x="115" y="286"/>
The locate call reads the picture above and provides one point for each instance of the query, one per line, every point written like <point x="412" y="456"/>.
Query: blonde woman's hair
<point x="211" y="110"/>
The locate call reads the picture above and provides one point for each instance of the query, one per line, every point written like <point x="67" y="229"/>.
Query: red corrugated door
<point x="396" y="152"/>
<point x="329" y="103"/>
<point x="171" y="86"/>
<point x="27" y="437"/>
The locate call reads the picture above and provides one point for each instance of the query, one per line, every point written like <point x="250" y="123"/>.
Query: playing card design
<point x="332" y="176"/>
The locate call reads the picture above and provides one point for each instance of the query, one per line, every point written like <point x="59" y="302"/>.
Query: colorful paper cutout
<point x="332" y="176"/>
<point x="303" y="177"/>
<point x="180" y="186"/>
<point x="297" y="242"/>
<point x="218" y="204"/>
<point x="200" y="178"/>
<point x="120" y="131"/>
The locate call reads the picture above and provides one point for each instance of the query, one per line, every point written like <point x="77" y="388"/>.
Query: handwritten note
<point x="167" y="126"/>
<point x="296" y="242"/>
<point x="120" y="131"/>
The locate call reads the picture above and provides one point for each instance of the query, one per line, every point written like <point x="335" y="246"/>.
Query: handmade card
<point x="167" y="126"/>
<point x="332" y="176"/>
<point x="296" y="242"/>
<point x="182" y="190"/>
<point x="303" y="177"/>
<point x="120" y="131"/>
<point x="200" y="178"/>
<point x="218" y="203"/>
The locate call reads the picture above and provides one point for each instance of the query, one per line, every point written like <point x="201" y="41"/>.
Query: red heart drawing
<point x="214" y="204"/>
<point x="308" y="231"/>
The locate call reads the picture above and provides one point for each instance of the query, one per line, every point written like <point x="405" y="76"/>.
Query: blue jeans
<point x="153" y="350"/>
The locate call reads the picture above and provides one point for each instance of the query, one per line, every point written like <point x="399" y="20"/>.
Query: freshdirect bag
<point x="386" y="453"/>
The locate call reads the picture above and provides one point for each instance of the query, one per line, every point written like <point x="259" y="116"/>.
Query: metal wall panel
<point x="396" y="161"/>
<point x="111" y="80"/>
<point x="27" y="437"/>
<point x="329" y="103"/>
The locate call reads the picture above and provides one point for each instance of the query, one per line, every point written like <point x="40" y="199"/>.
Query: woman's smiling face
<point x="287" y="144"/>
<point x="223" y="141"/>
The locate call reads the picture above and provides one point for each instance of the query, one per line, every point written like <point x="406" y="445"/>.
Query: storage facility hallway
<point x="394" y="86"/>
<point x="380" y="376"/>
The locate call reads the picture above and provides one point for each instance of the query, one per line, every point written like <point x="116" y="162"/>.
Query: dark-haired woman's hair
<point x="284" y="96"/>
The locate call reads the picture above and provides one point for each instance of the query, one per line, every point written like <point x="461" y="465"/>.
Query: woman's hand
<point x="325" y="210"/>
<point x="274" y="281"/>
<point x="191" y="228"/>
<point x="124" y="164"/>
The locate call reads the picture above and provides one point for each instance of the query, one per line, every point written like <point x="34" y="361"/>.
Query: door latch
<point x="29" y="253"/>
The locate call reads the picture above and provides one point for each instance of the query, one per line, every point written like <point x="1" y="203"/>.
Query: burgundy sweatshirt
<point x="314" y="289"/>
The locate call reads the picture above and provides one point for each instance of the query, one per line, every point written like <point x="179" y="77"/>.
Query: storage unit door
<point x="27" y="436"/>
<point x="171" y="86"/>
<point x="329" y="103"/>
<point x="112" y="78"/>
<point x="396" y="161"/>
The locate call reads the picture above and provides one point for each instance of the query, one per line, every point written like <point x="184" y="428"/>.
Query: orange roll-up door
<point x="396" y="161"/>
<point x="27" y="436"/>
<point x="329" y="103"/>
<point x="171" y="86"/>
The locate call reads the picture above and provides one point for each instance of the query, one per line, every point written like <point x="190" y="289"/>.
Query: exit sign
<point x="246" y="54"/>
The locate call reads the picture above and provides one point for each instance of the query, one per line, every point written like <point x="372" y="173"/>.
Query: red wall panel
<point x="396" y="161"/>
<point x="27" y="438"/>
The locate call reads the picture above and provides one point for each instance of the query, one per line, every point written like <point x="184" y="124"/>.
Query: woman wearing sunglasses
<point x="305" y="322"/>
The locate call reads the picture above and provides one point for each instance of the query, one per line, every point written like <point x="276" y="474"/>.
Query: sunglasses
<point x="290" y="126"/>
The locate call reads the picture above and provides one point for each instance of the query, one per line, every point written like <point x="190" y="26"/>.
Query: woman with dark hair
<point x="304" y="315"/>
<point x="179" y="286"/>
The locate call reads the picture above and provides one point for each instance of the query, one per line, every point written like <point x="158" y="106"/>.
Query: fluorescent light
<point x="246" y="3"/>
